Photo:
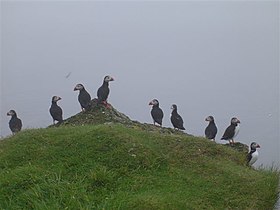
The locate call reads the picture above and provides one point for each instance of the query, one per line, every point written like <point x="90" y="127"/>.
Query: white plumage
<point x="236" y="130"/>
<point x="254" y="158"/>
<point x="253" y="155"/>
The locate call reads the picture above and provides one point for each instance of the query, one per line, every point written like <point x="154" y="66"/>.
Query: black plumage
<point x="103" y="91"/>
<point x="55" y="110"/>
<point x="211" y="130"/>
<point x="15" y="123"/>
<point x="176" y="119"/>
<point x="253" y="155"/>
<point x="231" y="131"/>
<point x="83" y="97"/>
<point x="156" y="112"/>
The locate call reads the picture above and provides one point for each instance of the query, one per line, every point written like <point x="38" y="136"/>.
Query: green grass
<point x="115" y="166"/>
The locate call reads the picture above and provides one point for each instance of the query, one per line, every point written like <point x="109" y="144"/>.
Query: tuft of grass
<point x="116" y="166"/>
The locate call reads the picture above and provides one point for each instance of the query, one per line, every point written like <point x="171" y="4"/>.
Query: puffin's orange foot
<point x="106" y="104"/>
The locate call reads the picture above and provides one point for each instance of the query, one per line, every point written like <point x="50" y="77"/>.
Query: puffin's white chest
<point x="255" y="156"/>
<point x="236" y="130"/>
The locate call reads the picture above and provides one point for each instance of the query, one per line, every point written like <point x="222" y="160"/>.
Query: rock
<point x="99" y="114"/>
<point x="239" y="147"/>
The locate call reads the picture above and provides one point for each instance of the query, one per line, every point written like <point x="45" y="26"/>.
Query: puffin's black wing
<point x="211" y="131"/>
<point x="56" y="112"/>
<point x="15" y="124"/>
<point x="102" y="93"/>
<point x="229" y="132"/>
<point x="249" y="157"/>
<point x="84" y="99"/>
<point x="177" y="121"/>
<point x="157" y="115"/>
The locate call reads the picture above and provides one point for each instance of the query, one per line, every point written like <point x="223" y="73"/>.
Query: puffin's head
<point x="11" y="113"/>
<point x="234" y="121"/>
<point x="55" y="98"/>
<point x="154" y="102"/>
<point x="254" y="145"/>
<point x="79" y="87"/>
<point x="210" y="119"/>
<point x="108" y="78"/>
<point x="174" y="107"/>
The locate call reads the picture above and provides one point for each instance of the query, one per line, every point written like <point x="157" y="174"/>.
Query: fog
<point x="217" y="58"/>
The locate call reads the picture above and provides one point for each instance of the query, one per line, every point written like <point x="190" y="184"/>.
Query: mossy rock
<point x="243" y="148"/>
<point x="97" y="114"/>
<point x="100" y="114"/>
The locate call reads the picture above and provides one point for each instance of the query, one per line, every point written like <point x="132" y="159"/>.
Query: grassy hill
<point x="103" y="160"/>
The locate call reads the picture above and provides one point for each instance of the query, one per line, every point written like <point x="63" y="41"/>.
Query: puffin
<point x="83" y="97"/>
<point x="55" y="110"/>
<point x="211" y="130"/>
<point x="253" y="155"/>
<point x="156" y="112"/>
<point x="176" y="119"/>
<point x="103" y="91"/>
<point x="15" y="123"/>
<point x="232" y="130"/>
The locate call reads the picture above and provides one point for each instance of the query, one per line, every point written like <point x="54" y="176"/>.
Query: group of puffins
<point x="210" y="131"/>
<point x="84" y="99"/>
<point x="56" y="112"/>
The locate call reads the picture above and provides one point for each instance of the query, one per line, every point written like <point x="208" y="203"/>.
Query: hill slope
<point x="126" y="166"/>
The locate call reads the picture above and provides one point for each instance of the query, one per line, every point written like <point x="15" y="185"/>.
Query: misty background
<point x="217" y="58"/>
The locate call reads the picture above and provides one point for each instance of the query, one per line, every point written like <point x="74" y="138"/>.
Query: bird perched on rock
<point x="83" y="97"/>
<point x="103" y="91"/>
<point x="156" y="112"/>
<point x="231" y="131"/>
<point x="15" y="123"/>
<point x="176" y="119"/>
<point x="55" y="110"/>
<point x="211" y="129"/>
<point x="253" y="155"/>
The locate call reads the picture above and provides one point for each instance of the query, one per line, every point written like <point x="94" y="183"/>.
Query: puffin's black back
<point x="15" y="124"/>
<point x="177" y="120"/>
<point x="103" y="92"/>
<point x="229" y="132"/>
<point x="56" y="112"/>
<point x="84" y="99"/>
<point x="211" y="130"/>
<point x="157" y="114"/>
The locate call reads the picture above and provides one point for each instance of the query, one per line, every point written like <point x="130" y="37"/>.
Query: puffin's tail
<point x="88" y="106"/>
<point x="59" y="122"/>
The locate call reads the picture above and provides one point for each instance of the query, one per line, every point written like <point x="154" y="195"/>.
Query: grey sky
<point x="216" y="57"/>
